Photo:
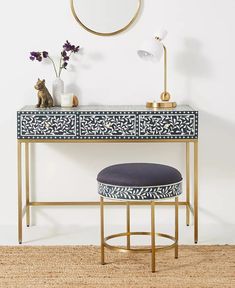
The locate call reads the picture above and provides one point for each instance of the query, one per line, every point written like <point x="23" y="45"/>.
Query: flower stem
<point x="60" y="69"/>
<point x="53" y="63"/>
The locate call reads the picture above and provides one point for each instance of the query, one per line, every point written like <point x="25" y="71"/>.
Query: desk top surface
<point x="107" y="108"/>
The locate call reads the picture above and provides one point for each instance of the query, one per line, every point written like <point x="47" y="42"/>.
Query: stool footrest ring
<point x="148" y="250"/>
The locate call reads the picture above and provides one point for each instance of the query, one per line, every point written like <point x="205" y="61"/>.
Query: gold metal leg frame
<point x="27" y="184"/>
<point x="188" y="183"/>
<point x="19" y="193"/>
<point x="152" y="249"/>
<point x="189" y="208"/>
<point x="28" y="204"/>
<point x="195" y="192"/>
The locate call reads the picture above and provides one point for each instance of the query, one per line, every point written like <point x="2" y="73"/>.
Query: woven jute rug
<point x="79" y="266"/>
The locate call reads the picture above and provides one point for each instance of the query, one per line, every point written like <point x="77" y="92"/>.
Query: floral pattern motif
<point x="108" y="125"/>
<point x="51" y="125"/>
<point x="139" y="193"/>
<point x="172" y="125"/>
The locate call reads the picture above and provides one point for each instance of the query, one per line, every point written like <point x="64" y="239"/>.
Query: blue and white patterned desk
<point x="107" y="124"/>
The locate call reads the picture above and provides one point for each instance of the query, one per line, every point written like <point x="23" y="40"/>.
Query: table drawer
<point x="169" y="125"/>
<point x="46" y="125"/>
<point x="110" y="125"/>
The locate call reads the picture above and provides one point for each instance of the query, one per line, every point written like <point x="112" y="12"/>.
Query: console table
<point x="106" y="124"/>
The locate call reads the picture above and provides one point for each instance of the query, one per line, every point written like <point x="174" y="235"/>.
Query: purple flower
<point x="64" y="53"/>
<point x="68" y="49"/>
<point x="65" y="56"/>
<point x="35" y="56"/>
<point x="76" y="49"/>
<point x="45" y="54"/>
<point x="67" y="46"/>
<point x="65" y="64"/>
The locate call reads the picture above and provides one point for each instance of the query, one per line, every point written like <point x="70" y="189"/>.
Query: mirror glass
<point x="105" y="17"/>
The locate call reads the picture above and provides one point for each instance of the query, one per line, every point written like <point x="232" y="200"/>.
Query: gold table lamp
<point x="153" y="49"/>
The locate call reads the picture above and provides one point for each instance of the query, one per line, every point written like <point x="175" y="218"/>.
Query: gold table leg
<point x="19" y="192"/>
<point x="102" y="229"/>
<point x="128" y="225"/>
<point x="176" y="226"/>
<point x="187" y="183"/>
<point x="153" y="235"/>
<point x="196" y="192"/>
<point x="27" y="184"/>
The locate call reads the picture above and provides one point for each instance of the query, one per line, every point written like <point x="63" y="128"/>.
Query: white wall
<point x="201" y="44"/>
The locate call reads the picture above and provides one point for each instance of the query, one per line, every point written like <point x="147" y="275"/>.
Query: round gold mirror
<point x="105" y="17"/>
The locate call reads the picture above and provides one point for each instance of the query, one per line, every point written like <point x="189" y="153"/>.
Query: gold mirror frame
<point x="102" y="33"/>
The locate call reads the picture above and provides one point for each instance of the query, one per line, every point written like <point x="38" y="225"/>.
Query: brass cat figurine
<point x="44" y="97"/>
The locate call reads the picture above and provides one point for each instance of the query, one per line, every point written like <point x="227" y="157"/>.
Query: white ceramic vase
<point x="57" y="90"/>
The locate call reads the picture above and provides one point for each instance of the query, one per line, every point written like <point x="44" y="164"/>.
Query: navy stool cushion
<point x="139" y="181"/>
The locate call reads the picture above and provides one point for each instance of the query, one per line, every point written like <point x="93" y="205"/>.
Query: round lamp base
<point x="164" y="104"/>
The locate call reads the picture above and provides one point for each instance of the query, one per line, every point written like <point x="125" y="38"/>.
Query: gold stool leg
<point x="153" y="234"/>
<point x="176" y="225"/>
<point x="128" y="244"/>
<point x="102" y="229"/>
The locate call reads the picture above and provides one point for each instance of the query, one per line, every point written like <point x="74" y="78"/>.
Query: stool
<point x="139" y="182"/>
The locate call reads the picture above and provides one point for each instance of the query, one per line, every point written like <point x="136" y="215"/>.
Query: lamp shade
<point x="151" y="49"/>
<point x="162" y="34"/>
